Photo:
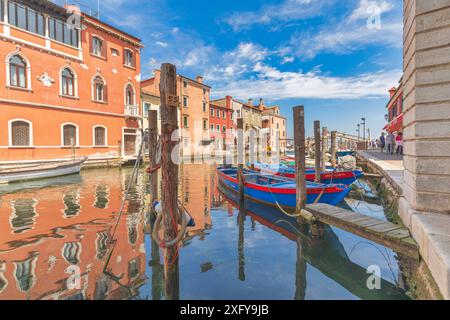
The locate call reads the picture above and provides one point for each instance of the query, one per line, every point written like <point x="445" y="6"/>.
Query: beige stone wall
<point x="427" y="104"/>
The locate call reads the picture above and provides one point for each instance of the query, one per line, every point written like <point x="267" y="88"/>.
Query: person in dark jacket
<point x="382" y="142"/>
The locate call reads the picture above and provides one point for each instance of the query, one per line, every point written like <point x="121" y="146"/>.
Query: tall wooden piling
<point x="152" y="152"/>
<point x="300" y="158"/>
<point x="169" y="173"/>
<point x="324" y="147"/>
<point x="318" y="152"/>
<point x="333" y="149"/>
<point x="241" y="159"/>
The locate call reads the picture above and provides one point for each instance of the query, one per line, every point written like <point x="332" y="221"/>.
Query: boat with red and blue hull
<point x="328" y="176"/>
<point x="278" y="191"/>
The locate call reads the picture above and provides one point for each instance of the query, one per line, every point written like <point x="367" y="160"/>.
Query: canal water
<point x="55" y="236"/>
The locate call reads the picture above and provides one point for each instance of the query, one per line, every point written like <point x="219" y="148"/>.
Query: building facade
<point x="250" y="114"/>
<point x="65" y="87"/>
<point x="193" y="113"/>
<point x="221" y="123"/>
<point x="274" y="128"/>
<point x="425" y="202"/>
<point x="394" y="108"/>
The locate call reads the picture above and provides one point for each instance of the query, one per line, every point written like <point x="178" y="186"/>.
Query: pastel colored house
<point x="395" y="110"/>
<point x="66" y="86"/>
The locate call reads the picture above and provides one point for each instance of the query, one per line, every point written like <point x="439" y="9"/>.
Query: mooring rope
<point x="113" y="241"/>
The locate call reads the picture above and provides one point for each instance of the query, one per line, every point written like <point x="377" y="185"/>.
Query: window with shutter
<point x="97" y="47"/>
<point x="20" y="134"/>
<point x="67" y="82"/>
<point x="17" y="72"/>
<point x="129" y="95"/>
<point x="69" y="135"/>
<point x="99" y="89"/>
<point x="100" y="137"/>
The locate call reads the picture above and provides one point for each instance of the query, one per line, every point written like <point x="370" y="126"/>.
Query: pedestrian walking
<point x="390" y="143"/>
<point x="399" y="143"/>
<point x="382" y="142"/>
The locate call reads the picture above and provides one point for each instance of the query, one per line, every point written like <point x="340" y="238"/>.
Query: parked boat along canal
<point x="55" y="236"/>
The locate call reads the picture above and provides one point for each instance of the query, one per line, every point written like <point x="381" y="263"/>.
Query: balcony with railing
<point x="132" y="111"/>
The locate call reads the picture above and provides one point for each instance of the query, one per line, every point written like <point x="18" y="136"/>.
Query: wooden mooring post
<point x="333" y="149"/>
<point x="300" y="160"/>
<point x="317" y="152"/>
<point x="169" y="173"/>
<point x="324" y="147"/>
<point x="152" y="152"/>
<point x="241" y="159"/>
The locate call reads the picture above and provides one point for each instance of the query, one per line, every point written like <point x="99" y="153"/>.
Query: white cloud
<point x="345" y="39"/>
<point x="161" y="43"/>
<point x="287" y="59"/>
<point x="286" y="10"/>
<point x="352" y="32"/>
<point x="367" y="8"/>
<point x="274" y="84"/>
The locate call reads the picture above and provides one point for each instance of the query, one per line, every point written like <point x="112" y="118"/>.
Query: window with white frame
<point x="17" y="72"/>
<point x="67" y="82"/>
<point x="99" y="89"/>
<point x="69" y="135"/>
<point x="20" y="133"/>
<point x="129" y="95"/>
<point x="129" y="58"/>
<point x="97" y="46"/>
<point x="100" y="136"/>
<point x="185" y="101"/>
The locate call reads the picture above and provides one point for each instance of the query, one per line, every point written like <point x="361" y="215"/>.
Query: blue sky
<point x="338" y="58"/>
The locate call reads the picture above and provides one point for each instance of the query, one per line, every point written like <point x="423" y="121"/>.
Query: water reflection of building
<point x="195" y="193"/>
<point x="54" y="241"/>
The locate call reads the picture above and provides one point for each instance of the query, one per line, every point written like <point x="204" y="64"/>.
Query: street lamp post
<point x="359" y="131"/>
<point x="364" y="131"/>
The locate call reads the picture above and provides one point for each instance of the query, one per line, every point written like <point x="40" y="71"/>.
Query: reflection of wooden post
<point x="152" y="150"/>
<point x="241" y="159"/>
<point x="169" y="172"/>
<point x="241" y="221"/>
<point x="119" y="146"/>
<point x="72" y="145"/>
<point x="300" y="273"/>
<point x="324" y="147"/>
<point x="157" y="268"/>
<point x="318" y="153"/>
<point x="300" y="158"/>
<point x="333" y="148"/>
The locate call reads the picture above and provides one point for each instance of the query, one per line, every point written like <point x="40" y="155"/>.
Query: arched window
<point x="100" y="136"/>
<point x="129" y="95"/>
<point x="99" y="88"/>
<point x="69" y="135"/>
<point x="67" y="82"/>
<point x="20" y="132"/>
<point x="17" y="72"/>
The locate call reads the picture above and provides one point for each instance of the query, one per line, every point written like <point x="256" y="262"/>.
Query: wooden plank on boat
<point x="385" y="233"/>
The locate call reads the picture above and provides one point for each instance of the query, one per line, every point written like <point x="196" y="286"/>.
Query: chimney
<point x="250" y="102"/>
<point x="392" y="91"/>
<point x="261" y="104"/>
<point x="199" y="79"/>
<point x="229" y="100"/>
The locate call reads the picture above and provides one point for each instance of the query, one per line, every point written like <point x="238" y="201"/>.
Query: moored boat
<point x="328" y="176"/>
<point x="41" y="171"/>
<point x="280" y="191"/>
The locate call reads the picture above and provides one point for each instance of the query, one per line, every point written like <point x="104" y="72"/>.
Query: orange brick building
<point x="221" y="121"/>
<point x="65" y="85"/>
